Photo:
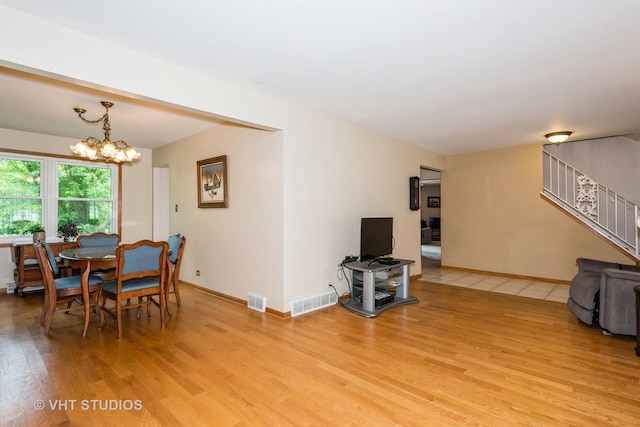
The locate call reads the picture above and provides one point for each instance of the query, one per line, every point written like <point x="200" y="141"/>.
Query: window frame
<point x="49" y="189"/>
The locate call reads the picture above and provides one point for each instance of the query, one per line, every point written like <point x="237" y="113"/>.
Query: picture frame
<point x="212" y="182"/>
<point x="433" y="202"/>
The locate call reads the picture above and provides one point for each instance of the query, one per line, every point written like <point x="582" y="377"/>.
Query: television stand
<point x="367" y="306"/>
<point x="388" y="261"/>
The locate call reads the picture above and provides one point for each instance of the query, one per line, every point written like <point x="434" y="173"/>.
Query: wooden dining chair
<point x="176" y="243"/>
<point x="98" y="239"/>
<point x="140" y="273"/>
<point x="60" y="290"/>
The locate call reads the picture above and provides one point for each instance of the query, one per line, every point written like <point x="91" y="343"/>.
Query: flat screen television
<point x="376" y="238"/>
<point x="434" y="222"/>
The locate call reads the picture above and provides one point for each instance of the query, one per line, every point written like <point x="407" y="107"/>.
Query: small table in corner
<point x="89" y="258"/>
<point x="367" y="306"/>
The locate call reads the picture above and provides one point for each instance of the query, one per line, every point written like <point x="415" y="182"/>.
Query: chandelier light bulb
<point x="108" y="149"/>
<point x="120" y="156"/>
<point x="91" y="153"/>
<point x="80" y="148"/>
<point x="131" y="153"/>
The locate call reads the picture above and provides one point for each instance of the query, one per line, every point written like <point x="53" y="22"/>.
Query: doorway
<point x="161" y="203"/>
<point x="430" y="218"/>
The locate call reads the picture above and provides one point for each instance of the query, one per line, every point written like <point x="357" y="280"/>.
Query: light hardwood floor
<point x="458" y="357"/>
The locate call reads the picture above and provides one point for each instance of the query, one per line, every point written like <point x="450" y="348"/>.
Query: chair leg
<point x="68" y="306"/>
<point x="166" y="302"/>
<point x="45" y="308"/>
<point x="51" y="309"/>
<point x="138" y="310"/>
<point x="101" y="302"/>
<point x="161" y="303"/>
<point x="175" y="289"/>
<point x="119" y="317"/>
<point x="94" y="301"/>
<point x="167" y="292"/>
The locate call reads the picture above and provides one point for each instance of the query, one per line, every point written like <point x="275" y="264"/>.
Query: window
<point x="85" y="197"/>
<point x="20" y="195"/>
<point x="54" y="191"/>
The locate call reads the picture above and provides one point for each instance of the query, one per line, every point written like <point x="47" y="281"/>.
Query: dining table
<point x="89" y="259"/>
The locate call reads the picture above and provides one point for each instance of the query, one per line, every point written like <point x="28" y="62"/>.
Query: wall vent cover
<point x="257" y="302"/>
<point x="305" y="305"/>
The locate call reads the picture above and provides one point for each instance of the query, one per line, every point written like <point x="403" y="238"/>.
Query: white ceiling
<point x="453" y="76"/>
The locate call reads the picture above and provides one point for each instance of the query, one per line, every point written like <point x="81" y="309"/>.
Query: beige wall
<point x="237" y="249"/>
<point x="337" y="180"/>
<point x="494" y="219"/>
<point x="136" y="194"/>
<point x="334" y="174"/>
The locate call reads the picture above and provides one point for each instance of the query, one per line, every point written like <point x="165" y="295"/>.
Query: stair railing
<point x="605" y="211"/>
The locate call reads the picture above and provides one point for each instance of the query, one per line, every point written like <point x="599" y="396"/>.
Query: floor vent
<point x="257" y="302"/>
<point x="317" y="302"/>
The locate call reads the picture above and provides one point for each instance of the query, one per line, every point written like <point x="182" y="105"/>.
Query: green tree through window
<point x="52" y="192"/>
<point x="20" y="201"/>
<point x="84" y="197"/>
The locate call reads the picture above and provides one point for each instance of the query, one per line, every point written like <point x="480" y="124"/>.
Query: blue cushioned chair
<point x="54" y="262"/>
<point x="56" y="291"/>
<point x="140" y="272"/>
<point x="98" y="239"/>
<point x="176" y="243"/>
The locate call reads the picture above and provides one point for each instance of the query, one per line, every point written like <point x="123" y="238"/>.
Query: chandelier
<point x="93" y="148"/>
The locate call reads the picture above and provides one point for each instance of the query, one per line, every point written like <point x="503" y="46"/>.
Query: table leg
<point x="84" y="283"/>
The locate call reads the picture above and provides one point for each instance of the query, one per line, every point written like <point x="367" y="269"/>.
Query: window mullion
<point x="50" y="197"/>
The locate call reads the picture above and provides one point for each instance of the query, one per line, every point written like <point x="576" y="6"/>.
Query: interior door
<point x="161" y="206"/>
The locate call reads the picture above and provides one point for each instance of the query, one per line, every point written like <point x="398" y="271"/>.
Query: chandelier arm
<point x="81" y="111"/>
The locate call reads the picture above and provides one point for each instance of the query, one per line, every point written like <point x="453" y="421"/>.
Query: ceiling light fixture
<point x="558" y="137"/>
<point x="93" y="148"/>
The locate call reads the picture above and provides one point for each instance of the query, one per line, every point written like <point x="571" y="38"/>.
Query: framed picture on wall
<point x="433" y="202"/>
<point x="212" y="182"/>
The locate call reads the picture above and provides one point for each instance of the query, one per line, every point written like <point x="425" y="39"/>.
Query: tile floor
<point x="431" y="272"/>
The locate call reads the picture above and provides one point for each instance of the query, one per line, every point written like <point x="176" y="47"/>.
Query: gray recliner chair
<point x="603" y="292"/>
<point x="425" y="236"/>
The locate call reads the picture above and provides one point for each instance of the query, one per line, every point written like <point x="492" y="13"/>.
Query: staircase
<point x="606" y="212"/>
